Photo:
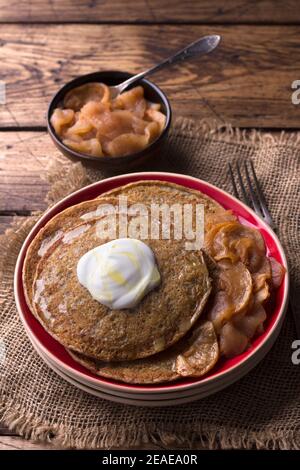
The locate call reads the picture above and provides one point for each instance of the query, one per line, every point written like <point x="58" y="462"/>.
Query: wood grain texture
<point x="23" y="160"/>
<point x="18" y="443"/>
<point x="4" y="431"/>
<point x="5" y="223"/>
<point x="194" y="11"/>
<point x="246" y="81"/>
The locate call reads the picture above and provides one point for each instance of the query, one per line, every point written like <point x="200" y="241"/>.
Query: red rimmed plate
<point x="224" y="368"/>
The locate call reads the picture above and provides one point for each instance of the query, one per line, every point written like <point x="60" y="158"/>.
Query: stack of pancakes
<point x="166" y="336"/>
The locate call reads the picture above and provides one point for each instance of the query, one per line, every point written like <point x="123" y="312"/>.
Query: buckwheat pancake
<point x="192" y="356"/>
<point x="70" y="314"/>
<point x="54" y="231"/>
<point x="142" y="191"/>
<point x="71" y="222"/>
<point x="154" y="191"/>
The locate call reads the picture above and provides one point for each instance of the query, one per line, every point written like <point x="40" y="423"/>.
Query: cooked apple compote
<point x="243" y="280"/>
<point x="91" y="122"/>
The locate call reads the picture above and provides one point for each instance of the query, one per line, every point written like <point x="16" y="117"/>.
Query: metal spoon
<point x="200" y="47"/>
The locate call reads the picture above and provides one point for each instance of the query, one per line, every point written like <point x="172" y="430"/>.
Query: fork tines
<point x="252" y="194"/>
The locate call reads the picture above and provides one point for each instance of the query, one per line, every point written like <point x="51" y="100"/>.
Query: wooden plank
<point x="5" y="222"/>
<point x="4" y="431"/>
<point x="18" y="443"/>
<point x="22" y="171"/>
<point x="23" y="160"/>
<point x="246" y="81"/>
<point x="195" y="11"/>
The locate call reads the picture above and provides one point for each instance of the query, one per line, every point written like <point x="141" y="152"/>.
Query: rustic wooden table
<point x="44" y="43"/>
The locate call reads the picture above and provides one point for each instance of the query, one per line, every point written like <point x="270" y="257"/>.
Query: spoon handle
<point x="202" y="46"/>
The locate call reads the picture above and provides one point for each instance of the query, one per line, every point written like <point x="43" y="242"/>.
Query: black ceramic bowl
<point x="152" y="93"/>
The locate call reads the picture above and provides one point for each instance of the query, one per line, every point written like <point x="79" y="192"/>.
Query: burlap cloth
<point x="260" y="411"/>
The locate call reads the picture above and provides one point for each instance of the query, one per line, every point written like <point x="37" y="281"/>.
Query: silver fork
<point x="254" y="197"/>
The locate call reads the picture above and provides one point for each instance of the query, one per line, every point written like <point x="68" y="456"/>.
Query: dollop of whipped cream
<point x="119" y="273"/>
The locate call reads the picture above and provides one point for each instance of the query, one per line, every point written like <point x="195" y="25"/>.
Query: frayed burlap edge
<point x="225" y="132"/>
<point x="129" y="435"/>
<point x="65" y="177"/>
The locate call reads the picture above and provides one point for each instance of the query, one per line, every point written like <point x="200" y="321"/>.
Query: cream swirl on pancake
<point x="119" y="273"/>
